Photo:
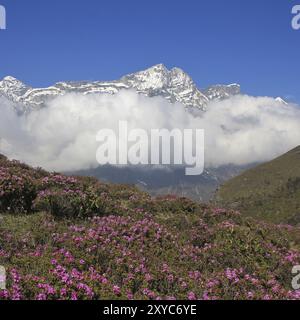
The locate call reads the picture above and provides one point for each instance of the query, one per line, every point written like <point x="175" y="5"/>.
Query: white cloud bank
<point x="240" y="130"/>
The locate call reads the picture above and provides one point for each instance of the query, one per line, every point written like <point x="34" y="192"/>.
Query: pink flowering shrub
<point x="18" y="187"/>
<point x="145" y="256"/>
<point x="119" y="243"/>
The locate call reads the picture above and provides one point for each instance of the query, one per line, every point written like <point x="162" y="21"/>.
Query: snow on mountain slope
<point x="174" y="85"/>
<point x="12" y="88"/>
<point x="280" y="100"/>
<point x="220" y="92"/>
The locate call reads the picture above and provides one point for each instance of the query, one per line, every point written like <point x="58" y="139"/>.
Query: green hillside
<point x="270" y="191"/>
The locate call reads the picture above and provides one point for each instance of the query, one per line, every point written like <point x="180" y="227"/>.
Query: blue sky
<point x="249" y="42"/>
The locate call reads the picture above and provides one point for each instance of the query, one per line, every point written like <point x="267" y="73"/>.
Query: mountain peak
<point x="12" y="82"/>
<point x="159" y="67"/>
<point x="159" y="76"/>
<point x="280" y="100"/>
<point x="12" y="88"/>
<point x="10" y="79"/>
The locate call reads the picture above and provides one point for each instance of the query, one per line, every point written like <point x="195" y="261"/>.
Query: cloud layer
<point x="62" y="136"/>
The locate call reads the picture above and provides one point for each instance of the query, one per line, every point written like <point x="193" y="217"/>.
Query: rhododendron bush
<point x="75" y="238"/>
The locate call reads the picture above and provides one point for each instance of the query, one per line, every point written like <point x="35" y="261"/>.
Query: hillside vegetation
<point x="270" y="191"/>
<point x="76" y="238"/>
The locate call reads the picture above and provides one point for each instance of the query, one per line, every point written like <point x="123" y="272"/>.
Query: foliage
<point x="81" y="239"/>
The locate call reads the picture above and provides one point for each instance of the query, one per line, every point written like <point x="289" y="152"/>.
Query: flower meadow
<point x="75" y="238"/>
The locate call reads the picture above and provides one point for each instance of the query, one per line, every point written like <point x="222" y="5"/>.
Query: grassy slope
<point x="82" y="239"/>
<point x="270" y="191"/>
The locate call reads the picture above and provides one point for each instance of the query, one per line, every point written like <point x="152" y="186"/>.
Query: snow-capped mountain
<point x="174" y="85"/>
<point x="280" y="100"/>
